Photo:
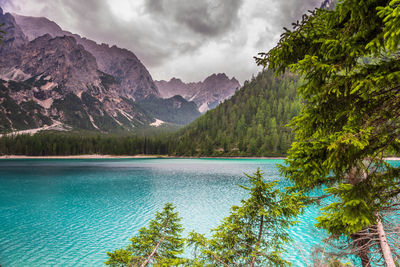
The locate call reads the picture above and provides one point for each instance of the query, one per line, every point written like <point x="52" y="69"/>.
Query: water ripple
<point x="70" y="212"/>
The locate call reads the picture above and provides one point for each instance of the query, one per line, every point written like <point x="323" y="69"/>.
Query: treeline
<point x="251" y="123"/>
<point x="51" y="144"/>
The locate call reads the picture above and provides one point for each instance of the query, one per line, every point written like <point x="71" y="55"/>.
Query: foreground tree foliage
<point x="159" y="244"/>
<point x="255" y="233"/>
<point x="349" y="58"/>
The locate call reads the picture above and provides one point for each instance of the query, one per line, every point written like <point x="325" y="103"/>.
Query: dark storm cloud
<point x="292" y="10"/>
<point x="280" y="14"/>
<point x="209" y="18"/>
<point x="190" y="23"/>
<point x="184" y="38"/>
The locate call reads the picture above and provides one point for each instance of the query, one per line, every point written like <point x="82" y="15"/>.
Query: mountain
<point x="250" y="123"/>
<point x="133" y="77"/>
<point x="69" y="82"/>
<point x="206" y="94"/>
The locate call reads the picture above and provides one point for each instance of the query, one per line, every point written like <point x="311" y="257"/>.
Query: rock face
<point x="68" y="63"/>
<point x="206" y="94"/>
<point x="49" y="78"/>
<point x="135" y="81"/>
<point x="14" y="39"/>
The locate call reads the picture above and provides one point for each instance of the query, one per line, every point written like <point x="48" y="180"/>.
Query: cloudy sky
<point x="188" y="39"/>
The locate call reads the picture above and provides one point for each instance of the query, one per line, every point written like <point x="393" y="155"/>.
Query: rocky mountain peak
<point x="13" y="33"/>
<point x="175" y="81"/>
<point x="40" y="26"/>
<point x="134" y="79"/>
<point x="206" y="94"/>
<point x="14" y="40"/>
<point x="216" y="78"/>
<point x="68" y="63"/>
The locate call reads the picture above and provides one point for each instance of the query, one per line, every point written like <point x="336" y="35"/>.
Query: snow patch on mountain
<point x="157" y="123"/>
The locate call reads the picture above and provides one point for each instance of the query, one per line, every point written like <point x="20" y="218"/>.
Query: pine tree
<point x="349" y="58"/>
<point x="255" y="233"/>
<point x="159" y="244"/>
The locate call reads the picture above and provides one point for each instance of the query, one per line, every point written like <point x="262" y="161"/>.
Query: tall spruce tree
<point x="349" y="58"/>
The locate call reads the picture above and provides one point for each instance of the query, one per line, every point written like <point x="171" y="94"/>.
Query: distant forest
<point x="252" y="123"/>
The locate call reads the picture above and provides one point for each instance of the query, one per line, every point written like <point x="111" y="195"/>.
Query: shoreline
<point x="98" y="156"/>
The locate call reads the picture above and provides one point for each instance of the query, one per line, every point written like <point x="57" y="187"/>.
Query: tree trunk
<point x="362" y="249"/>
<point x="356" y="175"/>
<point x="253" y="260"/>
<point x="152" y="253"/>
<point x="156" y="247"/>
<point x="386" y="251"/>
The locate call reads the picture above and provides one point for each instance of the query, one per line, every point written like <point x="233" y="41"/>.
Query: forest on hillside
<point x="252" y="123"/>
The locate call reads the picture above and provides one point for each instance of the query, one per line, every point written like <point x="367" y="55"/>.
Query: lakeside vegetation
<point x="64" y="144"/>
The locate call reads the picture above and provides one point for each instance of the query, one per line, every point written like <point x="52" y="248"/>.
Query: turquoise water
<point x="70" y="212"/>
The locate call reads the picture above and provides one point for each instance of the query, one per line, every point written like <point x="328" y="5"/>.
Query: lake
<point x="69" y="212"/>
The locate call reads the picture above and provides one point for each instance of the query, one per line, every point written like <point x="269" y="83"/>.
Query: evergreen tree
<point x="255" y="233"/>
<point x="159" y="244"/>
<point x="349" y="58"/>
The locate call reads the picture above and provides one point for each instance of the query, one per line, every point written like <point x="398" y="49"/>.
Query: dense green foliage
<point x="255" y="233"/>
<point x="349" y="58"/>
<point x="251" y="123"/>
<point x="159" y="244"/>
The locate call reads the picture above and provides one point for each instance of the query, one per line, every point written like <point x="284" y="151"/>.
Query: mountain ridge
<point x="207" y="94"/>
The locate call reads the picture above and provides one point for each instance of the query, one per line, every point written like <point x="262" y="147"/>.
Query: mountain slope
<point x="206" y="94"/>
<point x="48" y="77"/>
<point x="174" y="109"/>
<point x="135" y="80"/>
<point x="251" y="123"/>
